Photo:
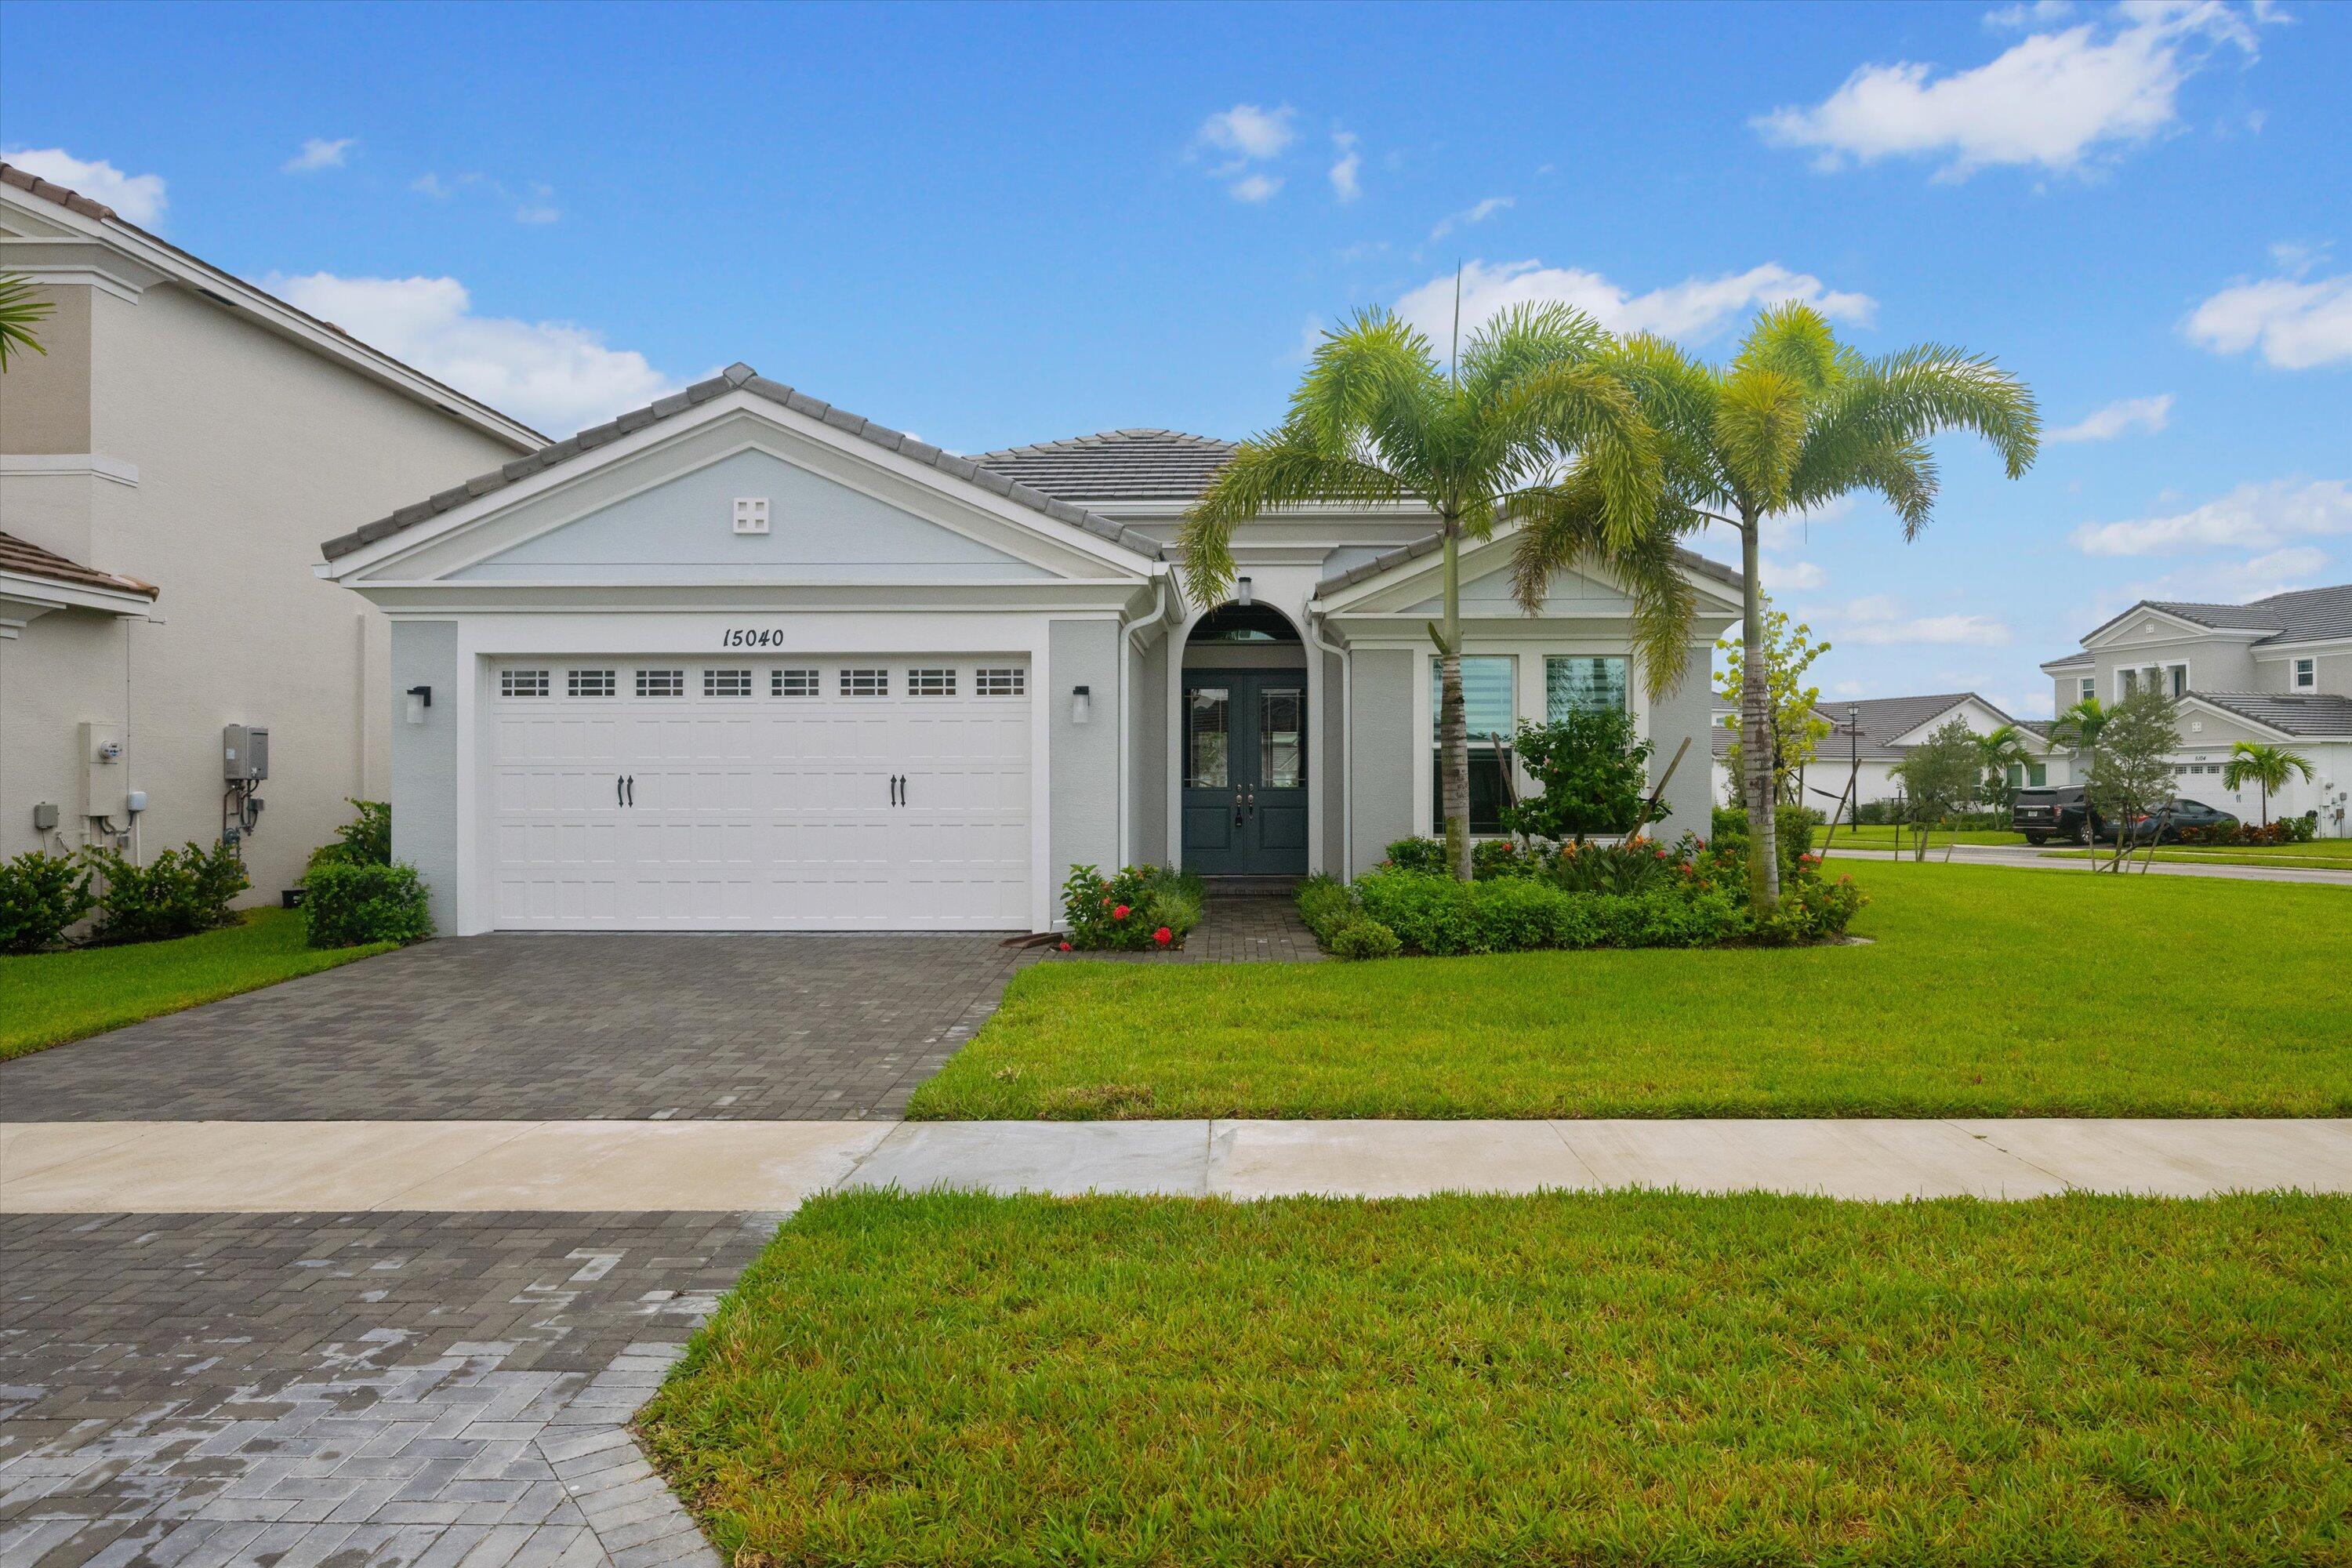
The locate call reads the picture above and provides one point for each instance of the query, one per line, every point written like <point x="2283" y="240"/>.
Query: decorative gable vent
<point x="750" y="514"/>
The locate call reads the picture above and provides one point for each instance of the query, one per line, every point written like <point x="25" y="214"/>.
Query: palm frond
<point x="1795" y="340"/>
<point x="1522" y="339"/>
<point x="1759" y="430"/>
<point x="1565" y="526"/>
<point x="21" y="308"/>
<point x="1268" y="473"/>
<point x="1373" y="372"/>
<point x="1920" y="390"/>
<point x="1583" y="415"/>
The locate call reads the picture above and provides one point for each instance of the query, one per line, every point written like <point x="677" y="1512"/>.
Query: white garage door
<point x="817" y="793"/>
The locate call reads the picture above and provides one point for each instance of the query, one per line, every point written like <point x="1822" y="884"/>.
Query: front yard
<point x="2328" y="854"/>
<point x="1628" y="1377"/>
<point x="1984" y="992"/>
<point x="47" y="999"/>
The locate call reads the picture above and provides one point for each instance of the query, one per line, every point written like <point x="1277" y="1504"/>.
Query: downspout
<point x="1127" y="648"/>
<point x="1347" y="759"/>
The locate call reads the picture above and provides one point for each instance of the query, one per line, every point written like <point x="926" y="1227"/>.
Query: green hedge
<point x="41" y="896"/>
<point x="353" y="904"/>
<point x="1128" y="910"/>
<point x="1438" y="915"/>
<point x="179" y="893"/>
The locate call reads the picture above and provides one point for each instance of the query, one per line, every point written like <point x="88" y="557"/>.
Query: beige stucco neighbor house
<point x="163" y="469"/>
<point x="2277" y="670"/>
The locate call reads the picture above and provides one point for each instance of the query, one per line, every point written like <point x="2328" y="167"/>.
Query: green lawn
<point x="52" y="998"/>
<point x="2326" y="854"/>
<point x="1874" y="837"/>
<point x="1561" y="1379"/>
<point x="1985" y="992"/>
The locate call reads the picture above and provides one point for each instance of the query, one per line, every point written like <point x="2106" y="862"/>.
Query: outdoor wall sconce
<point x="1079" y="704"/>
<point x="420" y="698"/>
<point x="1242" y="592"/>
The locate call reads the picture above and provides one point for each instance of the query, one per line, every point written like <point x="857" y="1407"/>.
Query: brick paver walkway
<point x="800" y="1028"/>
<point x="287" y="1389"/>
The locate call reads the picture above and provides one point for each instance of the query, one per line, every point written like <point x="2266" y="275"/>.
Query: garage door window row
<point x="720" y="681"/>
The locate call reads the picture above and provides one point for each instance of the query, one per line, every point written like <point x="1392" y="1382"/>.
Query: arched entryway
<point x="1243" y="745"/>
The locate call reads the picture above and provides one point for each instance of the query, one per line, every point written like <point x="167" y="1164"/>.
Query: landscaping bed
<point x="1982" y="994"/>
<point x="1563" y="1378"/>
<point x="47" y="999"/>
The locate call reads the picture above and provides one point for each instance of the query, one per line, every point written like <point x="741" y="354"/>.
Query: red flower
<point x="1065" y="947"/>
<point x="1120" y="913"/>
<point x="1163" y="936"/>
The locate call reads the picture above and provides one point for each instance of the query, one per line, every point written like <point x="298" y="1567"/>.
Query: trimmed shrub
<point x="1365" y="939"/>
<point x="1492" y="857"/>
<point x="179" y="893"/>
<point x="1792" y="829"/>
<point x="352" y="904"/>
<point x="41" y="896"/>
<point x="366" y="840"/>
<point x="1326" y="906"/>
<point x="1128" y="912"/>
<point x="1420" y="855"/>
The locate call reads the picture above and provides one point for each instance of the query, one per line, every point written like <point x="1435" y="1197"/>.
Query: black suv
<point x="2054" y="811"/>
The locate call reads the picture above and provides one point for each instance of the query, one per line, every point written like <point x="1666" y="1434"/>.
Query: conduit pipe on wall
<point x="1314" y="626"/>
<point x="1126" y="650"/>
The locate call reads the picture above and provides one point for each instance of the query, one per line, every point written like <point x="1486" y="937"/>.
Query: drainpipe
<point x="1127" y="630"/>
<point x="1347" y="762"/>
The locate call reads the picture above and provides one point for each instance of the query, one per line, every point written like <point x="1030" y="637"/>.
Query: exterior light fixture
<point x="1242" y="592"/>
<point x="1079" y="704"/>
<point x="420" y="698"/>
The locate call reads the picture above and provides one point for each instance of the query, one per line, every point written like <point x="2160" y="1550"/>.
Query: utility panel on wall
<point x="750" y="514"/>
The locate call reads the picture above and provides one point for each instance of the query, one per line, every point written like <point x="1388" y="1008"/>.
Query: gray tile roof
<point x="2319" y="717"/>
<point x="739" y="377"/>
<point x="1116" y="465"/>
<point x="1429" y="544"/>
<point x="1881" y="719"/>
<point x="2300" y="616"/>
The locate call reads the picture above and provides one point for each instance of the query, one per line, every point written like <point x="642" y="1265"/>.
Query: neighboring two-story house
<point x="164" y="467"/>
<point x="2278" y="671"/>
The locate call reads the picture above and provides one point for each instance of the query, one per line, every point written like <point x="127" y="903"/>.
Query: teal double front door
<point x="1245" y="772"/>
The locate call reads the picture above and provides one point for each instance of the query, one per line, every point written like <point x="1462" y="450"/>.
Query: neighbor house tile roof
<point x="2319" y="717"/>
<point x="2303" y="615"/>
<point x="31" y="561"/>
<point x="1116" y="465"/>
<point x="743" y="378"/>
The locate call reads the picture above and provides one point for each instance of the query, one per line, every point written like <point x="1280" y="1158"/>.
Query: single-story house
<point x="743" y="660"/>
<point x="1869" y="739"/>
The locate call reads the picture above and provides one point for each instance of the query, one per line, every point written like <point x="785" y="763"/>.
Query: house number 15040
<point x="750" y="636"/>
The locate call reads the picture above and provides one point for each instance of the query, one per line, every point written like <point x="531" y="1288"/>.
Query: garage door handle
<point x="902" y="789"/>
<point x="618" y="798"/>
<point x="633" y="791"/>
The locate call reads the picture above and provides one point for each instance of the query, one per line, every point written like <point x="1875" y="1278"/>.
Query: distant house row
<point x="2276" y="671"/>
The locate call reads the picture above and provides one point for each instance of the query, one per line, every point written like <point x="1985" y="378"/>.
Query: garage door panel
<point x="761" y="811"/>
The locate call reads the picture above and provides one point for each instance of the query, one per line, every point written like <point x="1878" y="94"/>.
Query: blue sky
<point x="998" y="224"/>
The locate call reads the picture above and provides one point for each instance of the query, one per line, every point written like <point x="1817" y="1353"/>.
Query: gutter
<point x="1314" y="631"/>
<point x="1127" y="648"/>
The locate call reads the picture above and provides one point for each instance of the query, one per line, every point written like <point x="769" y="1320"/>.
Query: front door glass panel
<point x="1282" y="738"/>
<point x="1209" y="752"/>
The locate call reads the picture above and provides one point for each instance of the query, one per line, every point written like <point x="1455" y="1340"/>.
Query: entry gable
<point x="1406" y="582"/>
<point x="799" y="526"/>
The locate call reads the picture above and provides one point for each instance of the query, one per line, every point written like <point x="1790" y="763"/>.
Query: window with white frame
<point x="2307" y="674"/>
<point x="2090" y="687"/>
<point x="792" y="683"/>
<point x="2169" y="678"/>
<point x="992" y="682"/>
<point x="661" y="683"/>
<point x="1582" y="684"/>
<point x="930" y="682"/>
<point x="590" y="682"/>
<point x="522" y="683"/>
<point x="726" y="683"/>
<point x="866" y="683"/>
<point x="1488" y="682"/>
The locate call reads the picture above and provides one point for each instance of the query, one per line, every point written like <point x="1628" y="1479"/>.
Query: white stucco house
<point x="743" y="660"/>
<point x="2277" y="670"/>
<point x="1871" y="736"/>
<point x="163" y="469"/>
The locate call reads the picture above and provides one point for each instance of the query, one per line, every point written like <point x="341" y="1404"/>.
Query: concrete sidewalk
<point x="770" y="1166"/>
<point x="2043" y="859"/>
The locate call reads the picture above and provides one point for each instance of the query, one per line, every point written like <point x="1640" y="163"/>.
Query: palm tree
<point x="1998" y="750"/>
<point x="1795" y="420"/>
<point x="20" y="308"/>
<point x="1530" y="422"/>
<point x="2252" y="762"/>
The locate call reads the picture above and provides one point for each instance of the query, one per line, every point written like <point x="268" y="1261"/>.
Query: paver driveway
<point x="801" y="1027"/>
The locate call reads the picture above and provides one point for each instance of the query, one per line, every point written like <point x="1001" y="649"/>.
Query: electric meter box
<point x="244" y="754"/>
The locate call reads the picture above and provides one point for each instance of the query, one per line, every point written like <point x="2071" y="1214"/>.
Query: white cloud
<point x="2052" y="101"/>
<point x="318" y="152"/>
<point x="1345" y="181"/>
<point x="1248" y="131"/>
<point x="1693" y="309"/>
<point x="432" y="185"/>
<point x="1878" y="621"/>
<point x="539" y="207"/>
<point x="2150" y="414"/>
<point x="2250" y="517"/>
<point x="1790" y="577"/>
<point x="137" y="199"/>
<point x="2232" y="582"/>
<point x="555" y="375"/>
<point x="1255" y="187"/>
<point x="2030" y="15"/>
<point x="1468" y="215"/>
<point x="2298" y="324"/>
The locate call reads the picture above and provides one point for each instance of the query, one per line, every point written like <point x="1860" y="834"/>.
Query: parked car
<point x="2054" y="811"/>
<point x="2164" y="826"/>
